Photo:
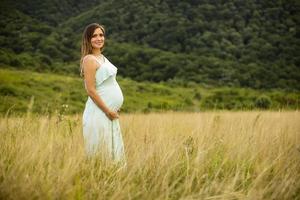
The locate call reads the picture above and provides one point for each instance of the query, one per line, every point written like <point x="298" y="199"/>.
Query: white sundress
<point x="103" y="136"/>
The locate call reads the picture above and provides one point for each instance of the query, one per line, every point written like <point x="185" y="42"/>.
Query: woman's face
<point x="97" y="40"/>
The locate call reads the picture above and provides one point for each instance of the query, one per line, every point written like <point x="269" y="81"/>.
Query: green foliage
<point x="233" y="43"/>
<point x="237" y="99"/>
<point x="263" y="102"/>
<point x="197" y="95"/>
<point x="8" y="90"/>
<point x="56" y="93"/>
<point x="229" y="99"/>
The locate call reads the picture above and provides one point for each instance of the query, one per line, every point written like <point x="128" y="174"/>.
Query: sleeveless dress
<point x="103" y="136"/>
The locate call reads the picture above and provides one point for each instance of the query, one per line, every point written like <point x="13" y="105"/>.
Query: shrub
<point x="188" y="101"/>
<point x="8" y="90"/>
<point x="197" y="95"/>
<point x="263" y="101"/>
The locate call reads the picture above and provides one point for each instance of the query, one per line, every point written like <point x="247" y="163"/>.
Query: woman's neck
<point x="96" y="52"/>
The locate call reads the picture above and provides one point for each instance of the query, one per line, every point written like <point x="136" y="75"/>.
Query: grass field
<point x="210" y="155"/>
<point x="49" y="91"/>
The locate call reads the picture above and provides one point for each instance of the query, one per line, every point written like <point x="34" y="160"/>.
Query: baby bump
<point x="112" y="96"/>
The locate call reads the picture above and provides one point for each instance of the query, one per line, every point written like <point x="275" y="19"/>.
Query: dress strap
<point x="94" y="57"/>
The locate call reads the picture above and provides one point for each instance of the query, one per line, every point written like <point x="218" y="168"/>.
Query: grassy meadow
<point x="171" y="155"/>
<point x="50" y="93"/>
<point x="211" y="100"/>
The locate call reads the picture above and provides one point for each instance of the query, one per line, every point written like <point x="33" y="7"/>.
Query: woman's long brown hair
<point x="86" y="47"/>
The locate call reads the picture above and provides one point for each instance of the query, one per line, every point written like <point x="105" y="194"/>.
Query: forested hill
<point x="243" y="43"/>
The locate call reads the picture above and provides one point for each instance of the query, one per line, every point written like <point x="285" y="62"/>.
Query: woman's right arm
<point x="89" y="69"/>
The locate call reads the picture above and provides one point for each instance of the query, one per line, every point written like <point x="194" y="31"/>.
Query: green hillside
<point x="48" y="93"/>
<point x="234" y="43"/>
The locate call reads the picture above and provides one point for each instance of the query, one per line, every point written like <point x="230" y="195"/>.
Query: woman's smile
<point x="98" y="38"/>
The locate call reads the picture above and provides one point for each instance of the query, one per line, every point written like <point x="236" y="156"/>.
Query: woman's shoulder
<point x="88" y="58"/>
<point x="89" y="62"/>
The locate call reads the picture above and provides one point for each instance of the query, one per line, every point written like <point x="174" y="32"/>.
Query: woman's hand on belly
<point x="112" y="115"/>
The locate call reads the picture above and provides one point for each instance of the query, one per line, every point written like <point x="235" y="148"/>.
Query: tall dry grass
<point x="213" y="155"/>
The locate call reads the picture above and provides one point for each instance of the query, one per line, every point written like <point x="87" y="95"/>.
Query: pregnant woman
<point x="101" y="128"/>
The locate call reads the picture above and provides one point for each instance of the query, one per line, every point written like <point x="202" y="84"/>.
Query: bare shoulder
<point x="89" y="63"/>
<point x="88" y="59"/>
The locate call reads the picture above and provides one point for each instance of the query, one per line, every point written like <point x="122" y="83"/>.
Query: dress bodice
<point x="107" y="86"/>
